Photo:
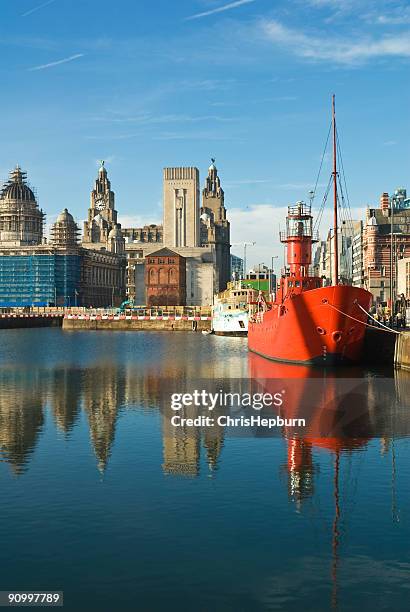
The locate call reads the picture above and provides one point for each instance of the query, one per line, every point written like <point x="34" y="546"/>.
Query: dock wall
<point x="402" y="352"/>
<point x="379" y="347"/>
<point x="136" y="324"/>
<point x="27" y="321"/>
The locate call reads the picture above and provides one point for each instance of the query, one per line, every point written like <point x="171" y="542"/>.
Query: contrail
<point x="37" y="8"/>
<point x="220" y="9"/>
<point x="58" y="62"/>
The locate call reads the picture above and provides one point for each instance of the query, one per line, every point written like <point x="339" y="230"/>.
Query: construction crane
<point x="244" y="245"/>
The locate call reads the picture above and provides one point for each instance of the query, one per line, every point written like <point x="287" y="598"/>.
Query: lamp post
<point x="259" y="275"/>
<point x="391" y="254"/>
<point x="271" y="276"/>
<point x="244" y="244"/>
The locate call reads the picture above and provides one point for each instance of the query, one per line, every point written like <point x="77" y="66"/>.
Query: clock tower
<point x="102" y="216"/>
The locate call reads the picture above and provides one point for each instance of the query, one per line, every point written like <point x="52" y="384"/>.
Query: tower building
<point x="215" y="227"/>
<point x="102" y="216"/>
<point x="21" y="220"/>
<point x="181" y="207"/>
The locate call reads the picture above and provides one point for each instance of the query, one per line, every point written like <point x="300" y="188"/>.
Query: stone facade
<point x="21" y="220"/>
<point x="165" y="279"/>
<point x="181" y="207"/>
<point x="102" y="225"/>
<point x="146" y="234"/>
<point x="215" y="227"/>
<point x="34" y="272"/>
<point x="377" y="244"/>
<point x="102" y="281"/>
<point x="403" y="277"/>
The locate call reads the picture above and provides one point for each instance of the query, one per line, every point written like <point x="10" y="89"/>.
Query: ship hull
<point x="314" y="327"/>
<point x="231" y="333"/>
<point x="230" y="323"/>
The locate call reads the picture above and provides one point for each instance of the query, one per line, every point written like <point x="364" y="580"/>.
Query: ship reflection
<point x="342" y="414"/>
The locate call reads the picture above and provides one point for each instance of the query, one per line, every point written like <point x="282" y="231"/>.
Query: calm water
<point x="102" y="499"/>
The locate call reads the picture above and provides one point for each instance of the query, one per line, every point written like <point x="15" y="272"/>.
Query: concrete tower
<point x="181" y="207"/>
<point x="215" y="228"/>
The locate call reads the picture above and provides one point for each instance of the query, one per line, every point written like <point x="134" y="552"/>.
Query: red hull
<point x="308" y="327"/>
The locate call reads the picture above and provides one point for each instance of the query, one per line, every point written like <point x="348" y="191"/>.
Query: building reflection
<point x="343" y="414"/>
<point x="21" y="416"/>
<point x="64" y="388"/>
<point x="102" y="395"/>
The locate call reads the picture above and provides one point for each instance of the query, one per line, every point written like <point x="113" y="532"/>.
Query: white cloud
<point x="58" y="62"/>
<point x="327" y="48"/>
<point x="140" y="220"/>
<point x="399" y="17"/>
<point x="37" y="8"/>
<point x="148" y="118"/>
<point x="220" y="9"/>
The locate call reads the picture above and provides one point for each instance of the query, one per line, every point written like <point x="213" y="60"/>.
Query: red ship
<point x="307" y="322"/>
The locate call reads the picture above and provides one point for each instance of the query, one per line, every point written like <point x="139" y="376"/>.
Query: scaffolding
<point x="39" y="279"/>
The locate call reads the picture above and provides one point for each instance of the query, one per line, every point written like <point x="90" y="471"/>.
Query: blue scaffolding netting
<point x="39" y="280"/>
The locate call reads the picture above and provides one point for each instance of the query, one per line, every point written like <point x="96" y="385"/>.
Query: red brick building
<point x="165" y="279"/>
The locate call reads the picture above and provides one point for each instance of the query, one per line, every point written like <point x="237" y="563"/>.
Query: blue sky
<point x="147" y="84"/>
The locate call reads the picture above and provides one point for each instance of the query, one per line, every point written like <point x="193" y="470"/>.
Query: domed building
<point x="21" y="220"/>
<point x="116" y="242"/>
<point x="64" y="232"/>
<point x="58" y="272"/>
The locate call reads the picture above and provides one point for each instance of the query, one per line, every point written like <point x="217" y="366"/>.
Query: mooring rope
<point x="387" y="329"/>
<point x="393" y="331"/>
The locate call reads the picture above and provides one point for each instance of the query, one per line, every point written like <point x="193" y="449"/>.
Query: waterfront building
<point x="319" y="260"/>
<point x="350" y="263"/>
<point x="37" y="272"/>
<point x="202" y="242"/>
<point x="143" y="235"/>
<point x="21" y="219"/>
<point x="237" y="270"/>
<point x="403" y="277"/>
<point x="181" y="207"/>
<point x="262" y="279"/>
<point x="165" y="279"/>
<point x="386" y="240"/>
<point x="215" y="227"/>
<point x="356" y="256"/>
<point x="102" y="224"/>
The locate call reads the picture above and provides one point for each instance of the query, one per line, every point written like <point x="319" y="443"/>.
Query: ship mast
<point x="335" y="222"/>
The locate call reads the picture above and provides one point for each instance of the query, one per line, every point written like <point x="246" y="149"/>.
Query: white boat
<point x="230" y="310"/>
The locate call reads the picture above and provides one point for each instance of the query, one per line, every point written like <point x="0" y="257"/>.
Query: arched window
<point x="163" y="276"/>
<point x="172" y="277"/>
<point x="152" y="276"/>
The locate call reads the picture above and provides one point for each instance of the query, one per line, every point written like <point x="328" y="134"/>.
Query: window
<point x="170" y="260"/>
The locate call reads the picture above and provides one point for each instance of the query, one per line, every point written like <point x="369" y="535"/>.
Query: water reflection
<point x="340" y="418"/>
<point x="303" y="478"/>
